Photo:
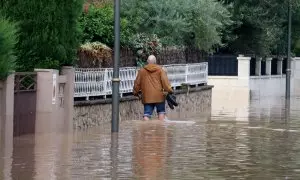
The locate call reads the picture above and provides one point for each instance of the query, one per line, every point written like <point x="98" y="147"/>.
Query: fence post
<point x="7" y="104"/>
<point x="296" y="67"/>
<point x="258" y="66"/>
<point x="269" y="66"/>
<point x="6" y="124"/>
<point x="69" y="72"/>
<point x="186" y="73"/>
<point x="296" y="76"/>
<point x="206" y="72"/>
<point x="279" y="65"/>
<point x="105" y="82"/>
<point x="243" y="70"/>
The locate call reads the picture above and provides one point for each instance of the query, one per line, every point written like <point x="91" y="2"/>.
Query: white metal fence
<point x="97" y="82"/>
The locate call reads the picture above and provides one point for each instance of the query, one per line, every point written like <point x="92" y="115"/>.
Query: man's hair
<point x="151" y="59"/>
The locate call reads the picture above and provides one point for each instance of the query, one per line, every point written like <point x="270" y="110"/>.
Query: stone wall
<point x="95" y="113"/>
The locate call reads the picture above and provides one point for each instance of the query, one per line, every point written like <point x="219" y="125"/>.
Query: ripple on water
<point x="260" y="142"/>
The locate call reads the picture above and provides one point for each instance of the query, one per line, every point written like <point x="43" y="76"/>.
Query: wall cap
<point x="68" y="67"/>
<point x="43" y="70"/>
<point x="296" y="58"/>
<point x="269" y="59"/>
<point x="242" y="58"/>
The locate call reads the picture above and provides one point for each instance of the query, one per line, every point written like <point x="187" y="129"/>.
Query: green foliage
<point x="260" y="26"/>
<point x="8" y="40"/>
<point x="98" y="25"/>
<point x="48" y="30"/>
<point x="179" y="22"/>
<point x="207" y="18"/>
<point x="297" y="48"/>
<point x="296" y="29"/>
<point x="48" y="63"/>
<point x="145" y="45"/>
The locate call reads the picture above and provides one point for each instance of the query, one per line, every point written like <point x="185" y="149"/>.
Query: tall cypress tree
<point x="49" y="33"/>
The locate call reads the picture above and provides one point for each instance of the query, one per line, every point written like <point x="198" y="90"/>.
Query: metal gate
<point x="25" y="103"/>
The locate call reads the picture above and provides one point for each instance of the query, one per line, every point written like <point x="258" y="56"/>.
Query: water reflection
<point x="41" y="157"/>
<point x="114" y="155"/>
<point x="151" y="148"/>
<point x="261" y="140"/>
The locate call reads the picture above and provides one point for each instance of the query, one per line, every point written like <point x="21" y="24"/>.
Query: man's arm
<point x="165" y="82"/>
<point x="137" y="85"/>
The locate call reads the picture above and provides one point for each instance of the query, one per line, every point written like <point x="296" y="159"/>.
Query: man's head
<point x="151" y="59"/>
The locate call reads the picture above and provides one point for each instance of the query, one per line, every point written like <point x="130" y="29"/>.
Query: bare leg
<point x="146" y="118"/>
<point x="161" y="117"/>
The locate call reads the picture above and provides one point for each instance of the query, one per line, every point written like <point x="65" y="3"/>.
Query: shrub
<point x="94" y="55"/>
<point x="144" y="45"/>
<point x="8" y="40"/>
<point x="97" y="24"/>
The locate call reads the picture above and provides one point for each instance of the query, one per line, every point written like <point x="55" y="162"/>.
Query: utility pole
<point x="116" y="79"/>
<point x="288" y="70"/>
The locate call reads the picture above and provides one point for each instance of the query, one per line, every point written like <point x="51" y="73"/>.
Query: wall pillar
<point x="243" y="70"/>
<point x="46" y="100"/>
<point x="258" y="66"/>
<point x="296" y="67"/>
<point x="6" y="125"/>
<point x="295" y="80"/>
<point x="69" y="73"/>
<point x="269" y="66"/>
<point x="279" y="66"/>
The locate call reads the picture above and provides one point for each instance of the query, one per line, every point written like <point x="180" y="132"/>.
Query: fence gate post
<point x="258" y="66"/>
<point x="7" y="104"/>
<point x="46" y="100"/>
<point x="279" y="65"/>
<point x="243" y="71"/>
<point x="6" y="125"/>
<point x="269" y="66"/>
<point x="295" y="83"/>
<point x="68" y="94"/>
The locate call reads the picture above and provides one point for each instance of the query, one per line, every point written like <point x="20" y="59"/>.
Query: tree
<point x="296" y="29"/>
<point x="179" y="22"/>
<point x="260" y="26"/>
<point x="49" y="31"/>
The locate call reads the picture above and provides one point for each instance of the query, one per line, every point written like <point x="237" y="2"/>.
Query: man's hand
<point x="139" y="95"/>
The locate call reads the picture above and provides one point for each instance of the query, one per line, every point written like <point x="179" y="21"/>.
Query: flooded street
<point x="260" y="140"/>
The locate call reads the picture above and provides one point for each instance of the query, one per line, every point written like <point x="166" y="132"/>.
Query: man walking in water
<point x="153" y="84"/>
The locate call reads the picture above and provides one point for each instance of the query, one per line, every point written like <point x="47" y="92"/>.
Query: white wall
<point x="230" y="98"/>
<point x="220" y="82"/>
<point x="267" y="85"/>
<point x="231" y="94"/>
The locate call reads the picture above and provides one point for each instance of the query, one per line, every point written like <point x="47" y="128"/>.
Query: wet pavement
<point x="262" y="142"/>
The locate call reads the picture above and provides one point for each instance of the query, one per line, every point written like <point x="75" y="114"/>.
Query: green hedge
<point x="8" y="40"/>
<point x="49" y="32"/>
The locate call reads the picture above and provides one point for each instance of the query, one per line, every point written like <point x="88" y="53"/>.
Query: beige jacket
<point x="152" y="82"/>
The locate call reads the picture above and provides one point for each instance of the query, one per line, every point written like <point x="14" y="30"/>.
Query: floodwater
<point x="262" y="142"/>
